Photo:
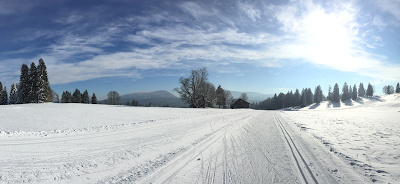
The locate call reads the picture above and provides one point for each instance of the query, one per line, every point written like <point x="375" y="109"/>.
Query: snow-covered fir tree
<point x="296" y="98"/>
<point x="94" y="99"/>
<point x="85" y="97"/>
<point x="329" y="97"/>
<point x="354" y="95"/>
<point x="303" y="101"/>
<point x="318" y="95"/>
<point x="370" y="90"/>
<point x="13" y="94"/>
<point x="23" y="87"/>
<point x="361" y="90"/>
<point x="1" y="91"/>
<point x="345" y="92"/>
<point x="76" y="97"/>
<point x="4" y="97"/>
<point x="335" y="94"/>
<point x="33" y="83"/>
<point x="398" y="88"/>
<point x="44" y="93"/>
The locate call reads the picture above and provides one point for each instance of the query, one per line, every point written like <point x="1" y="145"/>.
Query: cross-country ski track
<point x="175" y="146"/>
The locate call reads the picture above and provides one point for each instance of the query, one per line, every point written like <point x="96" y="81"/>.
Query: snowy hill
<point x="374" y="101"/>
<point x="365" y="133"/>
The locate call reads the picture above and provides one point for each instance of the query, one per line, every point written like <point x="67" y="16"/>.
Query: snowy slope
<point x="364" y="132"/>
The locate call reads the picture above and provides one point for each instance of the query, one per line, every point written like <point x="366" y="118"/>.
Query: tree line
<point x="306" y="97"/>
<point x="33" y="86"/>
<point x="78" y="97"/>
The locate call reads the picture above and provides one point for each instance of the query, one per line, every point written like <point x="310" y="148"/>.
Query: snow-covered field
<point x="81" y="143"/>
<point x="364" y="132"/>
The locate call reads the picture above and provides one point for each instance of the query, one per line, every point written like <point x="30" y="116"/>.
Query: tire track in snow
<point x="305" y="171"/>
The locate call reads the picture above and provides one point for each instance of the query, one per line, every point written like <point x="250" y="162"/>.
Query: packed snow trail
<point x="250" y="150"/>
<point x="158" y="145"/>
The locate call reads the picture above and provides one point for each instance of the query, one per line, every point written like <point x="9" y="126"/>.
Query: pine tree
<point x="221" y="100"/>
<point x="370" y="90"/>
<point x="1" y="91"/>
<point x="350" y="92"/>
<point x="345" y="92"/>
<point x="4" y="97"/>
<point x="33" y="84"/>
<point x="361" y="90"/>
<point x="329" y="98"/>
<point x="85" y="97"/>
<point x="13" y="94"/>
<point x="318" y="96"/>
<point x="296" y="98"/>
<point x="310" y="96"/>
<point x="397" y="88"/>
<point x="24" y="85"/>
<point x="44" y="92"/>
<point x="354" y="95"/>
<point x="303" y="102"/>
<point x="76" y="97"/>
<point x="94" y="99"/>
<point x="335" y="94"/>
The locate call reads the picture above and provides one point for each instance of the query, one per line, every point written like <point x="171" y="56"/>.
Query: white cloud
<point x="330" y="40"/>
<point x="249" y="10"/>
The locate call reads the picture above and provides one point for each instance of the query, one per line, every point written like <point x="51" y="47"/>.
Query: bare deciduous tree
<point x="228" y="97"/>
<point x="244" y="97"/>
<point x="191" y="90"/>
<point x="113" y="98"/>
<point x="388" y="89"/>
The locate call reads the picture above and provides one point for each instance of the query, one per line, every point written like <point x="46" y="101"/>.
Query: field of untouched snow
<point x="365" y="133"/>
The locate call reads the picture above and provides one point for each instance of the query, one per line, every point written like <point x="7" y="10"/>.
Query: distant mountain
<point x="161" y="97"/>
<point x="253" y="96"/>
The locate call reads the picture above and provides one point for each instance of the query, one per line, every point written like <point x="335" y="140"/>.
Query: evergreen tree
<point x="370" y="90"/>
<point x="335" y="94"/>
<point x="13" y="94"/>
<point x="76" y="97"/>
<point x="44" y="93"/>
<point x="361" y="90"/>
<point x="345" y="92"/>
<point x="310" y="96"/>
<point x="94" y="99"/>
<point x="85" y="97"/>
<point x="221" y="99"/>
<point x="329" y="97"/>
<point x="354" y="95"/>
<point x="303" y="101"/>
<point x="397" y="88"/>
<point x="350" y="92"/>
<point x="33" y="84"/>
<point x="24" y="85"/>
<point x="4" y="97"/>
<point x="296" y="98"/>
<point x="318" y="96"/>
<point x="63" y="99"/>
<point x="1" y="91"/>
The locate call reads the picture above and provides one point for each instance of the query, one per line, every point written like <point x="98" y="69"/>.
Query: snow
<point x="84" y="143"/>
<point x="364" y="132"/>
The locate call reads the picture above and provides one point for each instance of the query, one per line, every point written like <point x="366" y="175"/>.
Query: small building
<point x="239" y="103"/>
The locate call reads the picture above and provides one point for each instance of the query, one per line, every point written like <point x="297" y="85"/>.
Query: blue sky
<point x="261" y="46"/>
